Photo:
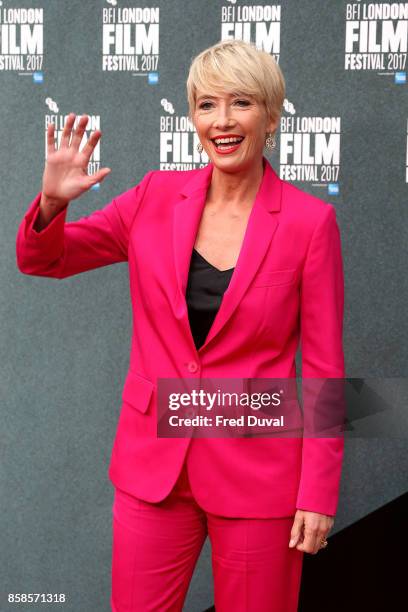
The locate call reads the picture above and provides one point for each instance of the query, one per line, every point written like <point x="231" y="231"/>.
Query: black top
<point x="205" y="288"/>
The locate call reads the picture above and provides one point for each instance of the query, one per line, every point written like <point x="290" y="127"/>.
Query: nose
<point x="223" y="118"/>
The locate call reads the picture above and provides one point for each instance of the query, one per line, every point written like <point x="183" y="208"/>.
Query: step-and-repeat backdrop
<point x="343" y="136"/>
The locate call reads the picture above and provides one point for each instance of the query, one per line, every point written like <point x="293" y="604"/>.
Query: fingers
<point x="313" y="537"/>
<point x="66" y="132"/>
<point x="297" y="528"/>
<point x="312" y="540"/>
<point x="100" y="175"/>
<point x="50" y="139"/>
<point x="77" y="136"/>
<point x="91" y="144"/>
<point x="78" y="133"/>
<point x="309" y="530"/>
<point x="51" y="145"/>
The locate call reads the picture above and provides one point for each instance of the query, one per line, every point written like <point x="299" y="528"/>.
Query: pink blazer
<point x="287" y="286"/>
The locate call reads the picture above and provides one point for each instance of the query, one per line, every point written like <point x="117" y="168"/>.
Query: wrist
<point x="52" y="204"/>
<point x="48" y="209"/>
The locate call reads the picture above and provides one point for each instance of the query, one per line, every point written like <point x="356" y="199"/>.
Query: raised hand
<point x="66" y="170"/>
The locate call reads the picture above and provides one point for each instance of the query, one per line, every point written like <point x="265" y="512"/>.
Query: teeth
<point x="227" y="140"/>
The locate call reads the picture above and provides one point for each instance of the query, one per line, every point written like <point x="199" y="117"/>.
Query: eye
<point x="244" y="102"/>
<point x="202" y="105"/>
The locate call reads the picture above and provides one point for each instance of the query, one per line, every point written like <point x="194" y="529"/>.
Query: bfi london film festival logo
<point x="94" y="123"/>
<point x="310" y="149"/>
<point x="22" y="40"/>
<point x="377" y="38"/>
<point x="130" y="40"/>
<point x="253" y="23"/>
<point x="178" y="141"/>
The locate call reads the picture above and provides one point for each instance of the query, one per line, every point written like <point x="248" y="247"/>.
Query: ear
<point x="272" y="125"/>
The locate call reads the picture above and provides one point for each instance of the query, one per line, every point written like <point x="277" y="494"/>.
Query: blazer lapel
<point x="187" y="216"/>
<point x="261" y="226"/>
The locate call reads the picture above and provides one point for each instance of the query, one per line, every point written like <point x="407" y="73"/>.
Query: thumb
<point x="100" y="175"/>
<point x="296" y="530"/>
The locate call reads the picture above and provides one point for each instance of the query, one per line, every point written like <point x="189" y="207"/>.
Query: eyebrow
<point x="236" y="95"/>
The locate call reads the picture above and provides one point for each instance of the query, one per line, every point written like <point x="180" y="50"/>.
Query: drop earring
<point x="199" y="147"/>
<point x="270" y="141"/>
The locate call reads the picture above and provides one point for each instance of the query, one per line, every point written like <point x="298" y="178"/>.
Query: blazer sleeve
<point x="321" y="322"/>
<point x="63" y="249"/>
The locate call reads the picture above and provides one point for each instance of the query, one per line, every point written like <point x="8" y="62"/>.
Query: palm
<point x="65" y="175"/>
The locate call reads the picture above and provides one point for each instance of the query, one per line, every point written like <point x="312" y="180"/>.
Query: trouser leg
<point x="155" y="550"/>
<point x="254" y="568"/>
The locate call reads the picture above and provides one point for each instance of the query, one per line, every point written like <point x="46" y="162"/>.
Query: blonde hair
<point x="235" y="66"/>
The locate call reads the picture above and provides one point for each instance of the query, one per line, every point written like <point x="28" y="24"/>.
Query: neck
<point x="235" y="190"/>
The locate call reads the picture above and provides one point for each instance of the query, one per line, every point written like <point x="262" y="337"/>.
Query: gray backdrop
<point x="64" y="356"/>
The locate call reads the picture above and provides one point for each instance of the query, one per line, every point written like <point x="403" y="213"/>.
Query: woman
<point x="229" y="266"/>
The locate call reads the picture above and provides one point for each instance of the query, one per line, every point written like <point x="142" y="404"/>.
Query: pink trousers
<point x="156" y="547"/>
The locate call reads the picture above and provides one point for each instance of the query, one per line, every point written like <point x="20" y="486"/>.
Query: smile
<point x="227" y="144"/>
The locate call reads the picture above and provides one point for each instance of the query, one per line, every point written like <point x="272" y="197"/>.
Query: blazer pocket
<point x="276" y="277"/>
<point x="137" y="391"/>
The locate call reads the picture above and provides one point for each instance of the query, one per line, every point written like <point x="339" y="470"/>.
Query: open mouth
<point x="227" y="145"/>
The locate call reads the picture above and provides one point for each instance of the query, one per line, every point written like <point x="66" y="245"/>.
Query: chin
<point x="233" y="165"/>
<point x="227" y="165"/>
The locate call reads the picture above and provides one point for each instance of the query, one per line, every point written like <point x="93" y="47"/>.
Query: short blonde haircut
<point x="235" y="66"/>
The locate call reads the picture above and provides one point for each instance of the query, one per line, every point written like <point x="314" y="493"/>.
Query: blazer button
<point x="192" y="366"/>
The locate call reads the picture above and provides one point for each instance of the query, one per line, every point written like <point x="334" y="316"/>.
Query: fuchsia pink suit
<point x="287" y="286"/>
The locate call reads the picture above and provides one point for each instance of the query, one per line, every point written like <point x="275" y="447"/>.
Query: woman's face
<point x="232" y="115"/>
